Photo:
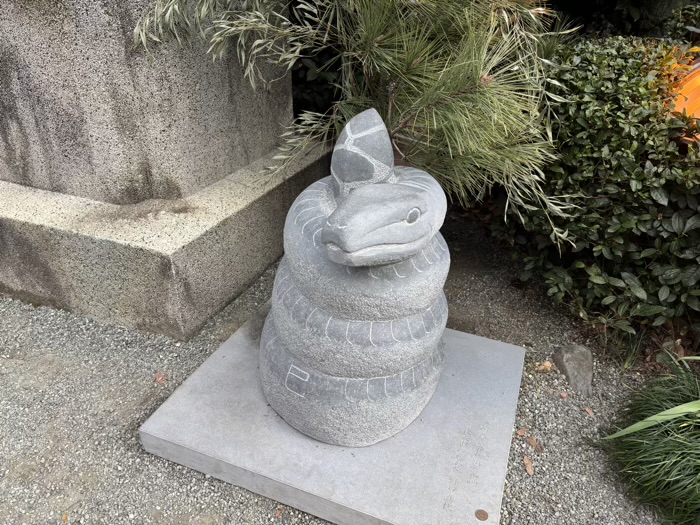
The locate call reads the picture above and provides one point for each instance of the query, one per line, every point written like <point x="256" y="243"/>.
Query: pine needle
<point x="460" y="85"/>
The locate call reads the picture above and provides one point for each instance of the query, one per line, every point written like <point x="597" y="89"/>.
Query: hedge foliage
<point x="683" y="24"/>
<point x="616" y="17"/>
<point x="633" y="256"/>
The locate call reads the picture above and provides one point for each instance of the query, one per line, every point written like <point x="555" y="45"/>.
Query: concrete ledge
<point x="446" y="468"/>
<point x="161" y="265"/>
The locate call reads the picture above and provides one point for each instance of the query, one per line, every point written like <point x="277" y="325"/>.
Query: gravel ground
<point x="73" y="393"/>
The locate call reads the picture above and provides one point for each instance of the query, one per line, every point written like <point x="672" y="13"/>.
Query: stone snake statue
<point x="351" y="351"/>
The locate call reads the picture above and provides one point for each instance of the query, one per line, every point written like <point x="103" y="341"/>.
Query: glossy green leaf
<point x="659" y="195"/>
<point x="678" y="223"/>
<point x="692" y="224"/>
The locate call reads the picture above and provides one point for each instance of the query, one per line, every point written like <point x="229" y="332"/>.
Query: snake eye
<point x="413" y="215"/>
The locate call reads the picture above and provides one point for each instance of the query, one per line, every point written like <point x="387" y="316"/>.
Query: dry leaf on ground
<point x="545" y="367"/>
<point x="160" y="378"/>
<point x="563" y="395"/>
<point x="535" y="444"/>
<point x="589" y="411"/>
<point x="528" y="466"/>
<point x="279" y="512"/>
<point x="521" y="432"/>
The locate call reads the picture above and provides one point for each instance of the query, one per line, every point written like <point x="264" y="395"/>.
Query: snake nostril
<point x="330" y="235"/>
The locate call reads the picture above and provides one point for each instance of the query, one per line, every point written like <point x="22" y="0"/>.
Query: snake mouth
<point x="375" y="255"/>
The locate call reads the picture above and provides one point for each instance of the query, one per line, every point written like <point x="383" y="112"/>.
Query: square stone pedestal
<point x="447" y="468"/>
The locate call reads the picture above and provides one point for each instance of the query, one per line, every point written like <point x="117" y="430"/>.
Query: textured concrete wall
<point x="84" y="114"/>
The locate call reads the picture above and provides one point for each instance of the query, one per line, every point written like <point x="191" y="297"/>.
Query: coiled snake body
<point x="351" y="350"/>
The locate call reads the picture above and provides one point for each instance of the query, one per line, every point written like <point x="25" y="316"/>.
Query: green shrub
<point x="660" y="460"/>
<point x="644" y="14"/>
<point x="620" y="16"/>
<point x="683" y="24"/>
<point x="633" y="251"/>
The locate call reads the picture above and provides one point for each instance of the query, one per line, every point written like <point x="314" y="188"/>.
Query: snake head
<point x="380" y="224"/>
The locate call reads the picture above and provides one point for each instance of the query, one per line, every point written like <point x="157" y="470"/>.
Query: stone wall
<point x="83" y="113"/>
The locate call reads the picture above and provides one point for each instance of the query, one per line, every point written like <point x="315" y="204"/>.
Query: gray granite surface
<point x="83" y="112"/>
<point x="351" y="351"/>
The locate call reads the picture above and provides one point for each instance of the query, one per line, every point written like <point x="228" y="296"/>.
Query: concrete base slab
<point x="448" y="467"/>
<point x="161" y="265"/>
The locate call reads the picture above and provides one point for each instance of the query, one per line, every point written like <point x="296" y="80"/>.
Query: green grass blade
<point x="666" y="415"/>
